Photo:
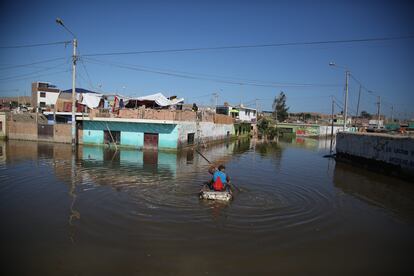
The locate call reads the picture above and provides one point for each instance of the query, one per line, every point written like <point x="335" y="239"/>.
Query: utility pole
<point x="359" y="98"/>
<point x="332" y="125"/>
<point x="379" y="110"/>
<point x="346" y="98"/>
<point x="74" y="59"/>
<point x="347" y="73"/>
<point x="392" y="113"/>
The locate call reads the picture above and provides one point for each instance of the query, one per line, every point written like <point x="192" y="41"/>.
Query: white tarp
<point x="160" y="99"/>
<point x="91" y="100"/>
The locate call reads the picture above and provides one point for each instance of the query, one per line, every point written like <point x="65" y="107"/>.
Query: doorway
<point x="151" y="140"/>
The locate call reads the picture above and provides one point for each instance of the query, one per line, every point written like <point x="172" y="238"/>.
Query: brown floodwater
<point x="105" y="212"/>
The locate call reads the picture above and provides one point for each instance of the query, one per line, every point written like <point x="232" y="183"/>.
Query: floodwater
<point x="127" y="212"/>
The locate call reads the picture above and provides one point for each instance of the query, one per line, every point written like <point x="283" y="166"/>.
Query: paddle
<point x="211" y="163"/>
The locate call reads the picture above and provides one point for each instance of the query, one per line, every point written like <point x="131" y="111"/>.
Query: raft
<point x="207" y="193"/>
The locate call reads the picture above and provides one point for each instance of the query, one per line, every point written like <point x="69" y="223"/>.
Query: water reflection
<point x="314" y="144"/>
<point x="129" y="209"/>
<point x="376" y="189"/>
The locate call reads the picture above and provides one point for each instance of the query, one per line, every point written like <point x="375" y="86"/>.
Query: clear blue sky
<point x="387" y="68"/>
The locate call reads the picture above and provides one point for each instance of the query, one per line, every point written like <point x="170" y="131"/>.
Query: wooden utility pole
<point x="379" y="110"/>
<point x="359" y="98"/>
<point x="332" y="125"/>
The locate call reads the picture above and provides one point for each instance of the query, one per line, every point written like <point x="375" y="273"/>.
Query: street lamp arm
<point x="60" y="22"/>
<point x="333" y="64"/>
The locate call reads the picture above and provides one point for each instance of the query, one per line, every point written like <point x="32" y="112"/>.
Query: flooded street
<point x="107" y="212"/>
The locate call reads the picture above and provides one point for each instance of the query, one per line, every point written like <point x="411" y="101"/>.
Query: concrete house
<point x="44" y="94"/>
<point x="239" y="113"/>
<point x="163" y="129"/>
<point x="246" y="114"/>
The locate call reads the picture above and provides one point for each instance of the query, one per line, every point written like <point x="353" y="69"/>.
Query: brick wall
<point x="223" y="119"/>
<point x="22" y="130"/>
<point x="154" y="114"/>
<point x="62" y="133"/>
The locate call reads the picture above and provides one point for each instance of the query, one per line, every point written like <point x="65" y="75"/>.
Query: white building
<point x="44" y="94"/>
<point x="246" y="114"/>
<point x="240" y="113"/>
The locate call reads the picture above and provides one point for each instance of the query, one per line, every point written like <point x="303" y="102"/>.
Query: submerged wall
<point x="394" y="154"/>
<point x="209" y="131"/>
<point x="30" y="131"/>
<point x="312" y="130"/>
<point x="132" y="134"/>
<point x="3" y="126"/>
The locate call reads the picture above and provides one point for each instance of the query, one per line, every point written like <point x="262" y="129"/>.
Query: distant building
<point x="44" y="94"/>
<point x="239" y="113"/>
<point x="375" y="124"/>
<point x="247" y="114"/>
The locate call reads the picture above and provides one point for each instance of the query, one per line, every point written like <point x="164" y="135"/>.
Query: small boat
<point x="207" y="193"/>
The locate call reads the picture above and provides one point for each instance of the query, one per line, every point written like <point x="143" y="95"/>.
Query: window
<point x="190" y="138"/>
<point x="42" y="104"/>
<point x="42" y="94"/>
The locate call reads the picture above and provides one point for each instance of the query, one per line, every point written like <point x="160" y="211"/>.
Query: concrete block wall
<point x="22" y="131"/>
<point x="223" y="119"/>
<point x="154" y="114"/>
<point x="3" y="125"/>
<point x="394" y="150"/>
<point x="62" y="133"/>
<point x="174" y="115"/>
<point x="209" y="131"/>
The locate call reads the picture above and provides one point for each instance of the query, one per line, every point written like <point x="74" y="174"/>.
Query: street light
<point x="347" y="73"/>
<point x="74" y="59"/>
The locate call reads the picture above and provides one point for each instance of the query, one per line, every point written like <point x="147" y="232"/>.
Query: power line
<point x="254" y="46"/>
<point x="230" y="78"/>
<point x="41" y="75"/>
<point x="33" y="73"/>
<point x="87" y="74"/>
<point x="33" y="63"/>
<point x="34" y="45"/>
<point x="196" y="76"/>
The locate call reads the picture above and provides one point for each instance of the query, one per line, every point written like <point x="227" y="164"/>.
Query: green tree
<point x="263" y="126"/>
<point x="266" y="129"/>
<point x="365" y="115"/>
<point x="280" y="111"/>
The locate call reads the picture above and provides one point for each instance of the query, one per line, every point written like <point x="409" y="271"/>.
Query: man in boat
<point x="220" y="179"/>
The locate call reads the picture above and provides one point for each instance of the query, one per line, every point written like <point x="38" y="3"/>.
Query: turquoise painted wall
<point x="132" y="134"/>
<point x="91" y="136"/>
<point x="132" y="139"/>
